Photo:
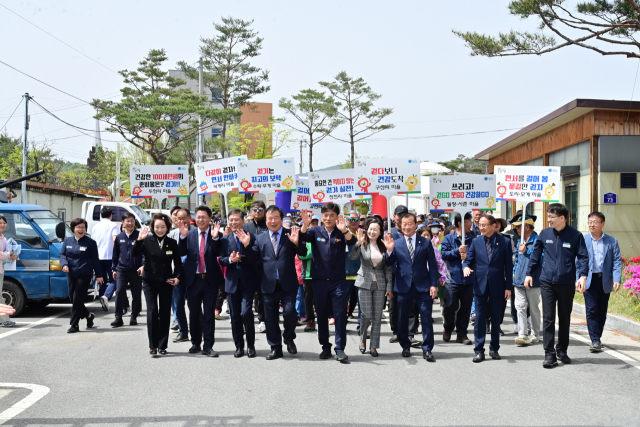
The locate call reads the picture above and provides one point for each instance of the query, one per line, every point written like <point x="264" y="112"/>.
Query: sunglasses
<point x="257" y="209"/>
<point x="353" y="219"/>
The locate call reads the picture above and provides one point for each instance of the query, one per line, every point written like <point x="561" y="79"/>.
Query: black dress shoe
<point x="153" y="352"/>
<point x="239" y="352"/>
<point x="251" y="352"/>
<point x="117" y="323"/>
<point x="406" y="352"/>
<point x="163" y="351"/>
<point x="429" y="357"/>
<point x="326" y="353"/>
<point x="133" y="321"/>
<point x="73" y="329"/>
<point x="275" y="354"/>
<point x="195" y="349"/>
<point x="550" y="362"/>
<point x="363" y="350"/>
<point x="494" y="355"/>
<point x="181" y="338"/>
<point x="90" y="320"/>
<point x="209" y="352"/>
<point x="479" y="357"/>
<point x="566" y="360"/>
<point x="373" y="352"/>
<point x="291" y="347"/>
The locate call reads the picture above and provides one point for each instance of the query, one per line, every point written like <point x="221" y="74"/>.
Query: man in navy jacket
<point x="491" y="253"/>
<point x="276" y="251"/>
<point x="410" y="255"/>
<point x="328" y="252"/>
<point x="459" y="291"/>
<point x="202" y="276"/>
<point x="565" y="258"/>
<point x="239" y="282"/>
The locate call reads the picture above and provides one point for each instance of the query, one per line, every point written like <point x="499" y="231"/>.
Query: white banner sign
<point x="218" y="176"/>
<point x="528" y="183"/>
<point x="462" y="193"/>
<point x="390" y="176"/>
<point x="266" y="176"/>
<point x="334" y="186"/>
<point x="159" y="181"/>
<point x="301" y="198"/>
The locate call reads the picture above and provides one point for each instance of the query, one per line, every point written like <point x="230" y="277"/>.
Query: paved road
<point x="105" y="377"/>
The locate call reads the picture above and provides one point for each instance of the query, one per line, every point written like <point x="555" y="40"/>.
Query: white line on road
<point x="610" y="352"/>
<point x="37" y="393"/>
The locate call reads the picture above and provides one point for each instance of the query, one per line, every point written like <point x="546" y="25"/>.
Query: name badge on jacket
<point x="169" y="252"/>
<point x="566" y="245"/>
<point x="83" y="248"/>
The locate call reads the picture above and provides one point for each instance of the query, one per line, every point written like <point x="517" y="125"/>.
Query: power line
<point x="66" y="108"/>
<point x="58" y="118"/>
<point x="14" y="111"/>
<point x="46" y="84"/>
<point x="64" y="43"/>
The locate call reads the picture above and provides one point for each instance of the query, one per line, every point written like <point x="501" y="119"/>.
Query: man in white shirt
<point x="104" y="233"/>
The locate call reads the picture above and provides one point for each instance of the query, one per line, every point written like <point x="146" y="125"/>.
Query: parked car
<point x="91" y="213"/>
<point x="152" y="212"/>
<point x="38" y="279"/>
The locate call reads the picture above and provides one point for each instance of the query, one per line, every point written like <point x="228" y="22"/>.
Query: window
<point x="96" y="212"/>
<point x="62" y="214"/>
<point x="628" y="180"/>
<point x="216" y="95"/>
<point x="21" y="230"/>
<point x="216" y="132"/>
<point x="47" y="222"/>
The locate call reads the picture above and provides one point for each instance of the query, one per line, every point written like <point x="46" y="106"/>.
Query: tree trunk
<point x="310" y="153"/>
<point x="353" y="154"/>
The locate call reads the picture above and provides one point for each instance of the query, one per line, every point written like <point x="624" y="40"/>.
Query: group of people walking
<point x="272" y="260"/>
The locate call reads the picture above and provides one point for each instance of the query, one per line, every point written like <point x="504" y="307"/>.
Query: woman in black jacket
<point x="162" y="271"/>
<point x="79" y="259"/>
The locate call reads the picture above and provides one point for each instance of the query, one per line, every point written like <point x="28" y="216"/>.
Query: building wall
<point x="623" y="218"/>
<point x="256" y="113"/>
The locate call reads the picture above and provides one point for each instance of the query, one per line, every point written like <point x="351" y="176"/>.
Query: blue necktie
<point x="489" y="250"/>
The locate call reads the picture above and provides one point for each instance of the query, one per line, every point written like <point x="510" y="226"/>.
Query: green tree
<point x="607" y="27"/>
<point x="347" y="163"/>
<point x="316" y="114"/>
<point x="40" y="156"/>
<point x="228" y="74"/>
<point x="465" y="165"/>
<point x="358" y="112"/>
<point x="258" y="141"/>
<point x="154" y="115"/>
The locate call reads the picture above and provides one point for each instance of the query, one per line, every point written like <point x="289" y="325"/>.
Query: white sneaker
<point x="523" y="340"/>
<point x="262" y="327"/>
<point x="8" y="324"/>
<point x="105" y="303"/>
<point x="534" y="339"/>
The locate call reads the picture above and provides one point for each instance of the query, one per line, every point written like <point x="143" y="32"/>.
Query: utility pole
<point x="117" y="181"/>
<point x="24" y="148"/>
<point x="200" y="140"/>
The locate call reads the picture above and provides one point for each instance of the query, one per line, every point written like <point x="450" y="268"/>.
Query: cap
<point x="315" y="217"/>
<point x="444" y="216"/>
<point x="435" y="224"/>
<point x="400" y="209"/>
<point x="518" y="218"/>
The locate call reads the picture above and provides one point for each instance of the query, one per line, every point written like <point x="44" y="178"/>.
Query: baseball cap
<point x="400" y="209"/>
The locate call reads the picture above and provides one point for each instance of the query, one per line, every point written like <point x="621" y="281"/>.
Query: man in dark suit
<point x="276" y="251"/>
<point x="491" y="253"/>
<point x="238" y="284"/>
<point x="202" y="276"/>
<point x="409" y="255"/>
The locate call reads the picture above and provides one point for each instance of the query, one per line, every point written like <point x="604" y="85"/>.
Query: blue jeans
<point x="177" y="305"/>
<point x="108" y="287"/>
<point x="300" y="302"/>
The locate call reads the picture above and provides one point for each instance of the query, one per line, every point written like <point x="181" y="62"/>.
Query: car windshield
<point x="144" y="217"/>
<point x="47" y="222"/>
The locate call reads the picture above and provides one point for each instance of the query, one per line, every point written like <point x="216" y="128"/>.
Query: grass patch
<point x="620" y="303"/>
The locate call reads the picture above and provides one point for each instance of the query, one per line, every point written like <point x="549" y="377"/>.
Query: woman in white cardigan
<point x="374" y="282"/>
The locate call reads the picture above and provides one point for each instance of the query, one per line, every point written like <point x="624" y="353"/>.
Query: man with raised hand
<point x="413" y="260"/>
<point x="328" y="250"/>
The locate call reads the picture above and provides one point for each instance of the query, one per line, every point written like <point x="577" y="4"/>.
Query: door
<point x="571" y="202"/>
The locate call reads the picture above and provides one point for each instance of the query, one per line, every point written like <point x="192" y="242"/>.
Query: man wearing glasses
<point x="256" y="227"/>
<point x="565" y="259"/>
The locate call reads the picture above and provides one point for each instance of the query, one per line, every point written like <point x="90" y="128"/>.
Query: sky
<point x="405" y="51"/>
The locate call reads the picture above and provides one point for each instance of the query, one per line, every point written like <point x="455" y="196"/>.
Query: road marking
<point x="40" y="322"/>
<point x="37" y="393"/>
<point x="610" y="352"/>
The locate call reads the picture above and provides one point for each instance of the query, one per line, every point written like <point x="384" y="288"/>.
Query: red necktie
<point x="203" y="244"/>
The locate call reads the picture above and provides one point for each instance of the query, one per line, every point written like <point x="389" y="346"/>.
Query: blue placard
<point x="610" y="198"/>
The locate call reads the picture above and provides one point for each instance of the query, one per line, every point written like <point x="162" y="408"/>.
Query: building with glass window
<point x="597" y="145"/>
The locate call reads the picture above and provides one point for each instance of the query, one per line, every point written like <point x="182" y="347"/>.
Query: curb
<point x="618" y="323"/>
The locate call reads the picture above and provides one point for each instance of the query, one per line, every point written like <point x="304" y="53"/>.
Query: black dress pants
<point x="393" y="318"/>
<point x="242" y="316"/>
<point x="457" y="308"/>
<point x="78" y="287"/>
<point x="201" y="299"/>
<point x="560" y="295"/>
<point x="309" y="303"/>
<point x="272" y="303"/>
<point x="132" y="278"/>
<point x="158" y="297"/>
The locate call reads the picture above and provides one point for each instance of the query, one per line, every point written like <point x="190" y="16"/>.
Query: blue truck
<point x="38" y="279"/>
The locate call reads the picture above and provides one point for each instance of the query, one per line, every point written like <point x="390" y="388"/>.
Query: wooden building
<point x="597" y="145"/>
